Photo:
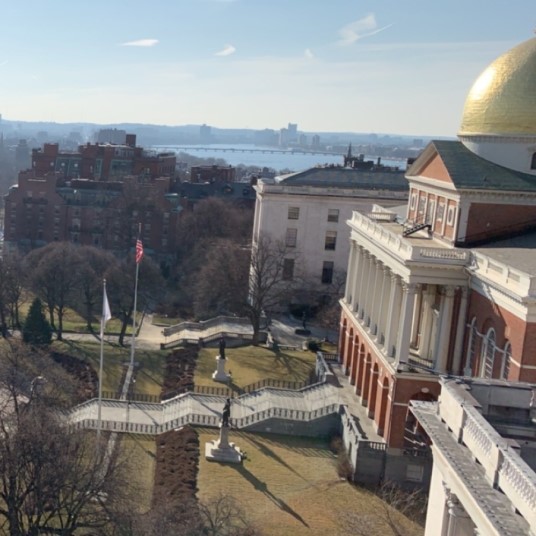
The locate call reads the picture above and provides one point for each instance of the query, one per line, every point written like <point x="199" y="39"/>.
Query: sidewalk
<point x="350" y="399"/>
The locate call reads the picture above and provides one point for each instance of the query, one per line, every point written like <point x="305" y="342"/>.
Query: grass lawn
<point x="149" y="375"/>
<point x="288" y="486"/>
<point x="138" y="453"/>
<point x="250" y="364"/>
<point x="159" y="320"/>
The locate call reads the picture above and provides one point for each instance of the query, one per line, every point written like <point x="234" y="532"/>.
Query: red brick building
<point x="450" y="289"/>
<point x="96" y="196"/>
<point x="212" y="174"/>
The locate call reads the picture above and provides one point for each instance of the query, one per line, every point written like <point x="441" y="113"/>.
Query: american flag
<point x="139" y="251"/>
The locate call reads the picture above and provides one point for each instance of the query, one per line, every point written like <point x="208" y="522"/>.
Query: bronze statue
<point x="222" y="347"/>
<point x="226" y="415"/>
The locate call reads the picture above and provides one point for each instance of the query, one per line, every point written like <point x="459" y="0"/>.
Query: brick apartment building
<point x="212" y="174"/>
<point x="97" y="196"/>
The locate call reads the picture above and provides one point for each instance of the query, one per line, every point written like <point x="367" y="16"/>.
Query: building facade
<point x="307" y="213"/>
<point x="483" y="439"/>
<point x="97" y="196"/>
<point x="451" y="288"/>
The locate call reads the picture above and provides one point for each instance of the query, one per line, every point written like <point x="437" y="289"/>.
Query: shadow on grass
<point x="271" y="454"/>
<point x="289" y="362"/>
<point x="261" y="486"/>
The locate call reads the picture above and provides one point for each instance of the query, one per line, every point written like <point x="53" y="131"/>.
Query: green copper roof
<point x="470" y="172"/>
<point x="347" y="178"/>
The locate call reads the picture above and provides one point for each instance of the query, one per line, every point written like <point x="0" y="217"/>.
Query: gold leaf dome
<point x="503" y="99"/>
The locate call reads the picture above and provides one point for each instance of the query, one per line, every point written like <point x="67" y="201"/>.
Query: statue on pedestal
<point x="222" y="347"/>
<point x="226" y="415"/>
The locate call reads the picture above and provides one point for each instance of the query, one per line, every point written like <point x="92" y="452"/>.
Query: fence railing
<point x="204" y="324"/>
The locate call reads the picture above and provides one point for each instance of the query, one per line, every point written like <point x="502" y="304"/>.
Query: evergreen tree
<point x="36" y="329"/>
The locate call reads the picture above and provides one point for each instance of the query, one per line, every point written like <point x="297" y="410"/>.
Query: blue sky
<point x="400" y="66"/>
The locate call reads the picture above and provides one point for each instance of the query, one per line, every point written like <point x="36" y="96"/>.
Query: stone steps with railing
<point x="304" y="405"/>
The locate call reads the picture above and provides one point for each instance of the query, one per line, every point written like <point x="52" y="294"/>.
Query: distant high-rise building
<point x="205" y="134"/>
<point x="315" y="141"/>
<point x="111" y="135"/>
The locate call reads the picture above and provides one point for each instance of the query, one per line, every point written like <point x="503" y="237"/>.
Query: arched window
<point x="471" y="347"/>
<point x="507" y="356"/>
<point x="487" y="354"/>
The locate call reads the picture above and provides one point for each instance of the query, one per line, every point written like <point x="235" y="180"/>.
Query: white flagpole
<point x="133" y="344"/>
<point x="104" y="318"/>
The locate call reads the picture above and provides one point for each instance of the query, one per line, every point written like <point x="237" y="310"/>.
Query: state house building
<point x="451" y="288"/>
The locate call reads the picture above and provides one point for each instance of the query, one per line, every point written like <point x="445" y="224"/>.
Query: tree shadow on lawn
<point x="271" y="454"/>
<point x="289" y="362"/>
<point x="261" y="486"/>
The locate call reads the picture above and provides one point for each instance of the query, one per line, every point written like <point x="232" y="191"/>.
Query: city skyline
<point x="402" y="68"/>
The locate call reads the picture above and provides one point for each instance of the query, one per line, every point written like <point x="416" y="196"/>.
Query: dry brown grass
<point x="288" y="486"/>
<point x="138" y="453"/>
<point x="250" y="364"/>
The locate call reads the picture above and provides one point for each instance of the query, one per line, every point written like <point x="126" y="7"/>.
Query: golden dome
<point x="503" y="99"/>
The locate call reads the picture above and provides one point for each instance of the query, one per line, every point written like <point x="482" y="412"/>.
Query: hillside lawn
<point x="250" y="364"/>
<point x="289" y="486"/>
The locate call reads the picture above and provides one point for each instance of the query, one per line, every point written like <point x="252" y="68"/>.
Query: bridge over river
<point x="263" y="150"/>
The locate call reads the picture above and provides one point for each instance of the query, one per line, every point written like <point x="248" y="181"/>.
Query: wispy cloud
<point x="308" y="53"/>
<point x="359" y="29"/>
<point x="141" y="43"/>
<point x="227" y="50"/>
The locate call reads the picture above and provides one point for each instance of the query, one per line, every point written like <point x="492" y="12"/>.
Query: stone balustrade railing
<point x="402" y="247"/>
<point x="517" y="480"/>
<point x="519" y="282"/>
<point x="503" y="467"/>
<point x="476" y="436"/>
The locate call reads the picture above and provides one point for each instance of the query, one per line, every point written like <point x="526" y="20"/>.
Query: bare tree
<point x="12" y="280"/>
<point x="54" y="479"/>
<point x="55" y="277"/>
<point x="121" y="278"/>
<point x="273" y="278"/>
<point x="95" y="263"/>
<point x="221" y="285"/>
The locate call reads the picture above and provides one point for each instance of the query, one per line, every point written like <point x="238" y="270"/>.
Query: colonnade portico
<point x="406" y="320"/>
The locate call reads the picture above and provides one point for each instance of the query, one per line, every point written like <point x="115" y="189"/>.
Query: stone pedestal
<point x="220" y="450"/>
<point x="219" y="375"/>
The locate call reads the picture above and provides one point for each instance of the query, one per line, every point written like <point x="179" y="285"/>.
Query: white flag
<point x="106" y="313"/>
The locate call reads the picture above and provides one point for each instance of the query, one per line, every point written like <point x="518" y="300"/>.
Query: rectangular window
<point x="288" y="269"/>
<point x="327" y="272"/>
<point x="293" y="213"/>
<point x="290" y="238"/>
<point x="414" y="473"/>
<point x="333" y="215"/>
<point x="331" y="240"/>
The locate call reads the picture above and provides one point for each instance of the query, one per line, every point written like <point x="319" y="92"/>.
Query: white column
<point x="363" y="283"/>
<point x="356" y="288"/>
<point x="417" y="314"/>
<point x="460" y="330"/>
<point x="373" y="292"/>
<point x="384" y="304"/>
<point x="445" y="322"/>
<point x="426" y="324"/>
<point x="459" y="522"/>
<point x="393" y="314"/>
<point x="377" y="298"/>
<point x="405" y="323"/>
<point x="352" y="266"/>
<point x="370" y="289"/>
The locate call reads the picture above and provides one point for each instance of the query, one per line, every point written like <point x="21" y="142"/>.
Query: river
<point x="278" y="161"/>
